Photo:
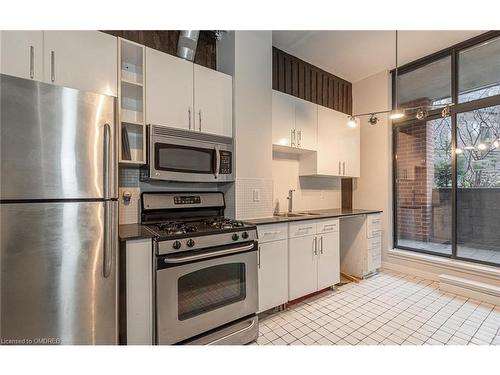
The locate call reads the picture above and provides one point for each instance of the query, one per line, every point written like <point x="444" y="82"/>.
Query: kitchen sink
<point x="297" y="214"/>
<point x="290" y="214"/>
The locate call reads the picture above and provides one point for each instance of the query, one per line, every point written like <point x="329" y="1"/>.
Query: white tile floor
<point x="387" y="309"/>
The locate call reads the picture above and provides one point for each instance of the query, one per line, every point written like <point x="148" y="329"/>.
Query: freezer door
<point x="55" y="143"/>
<point x="58" y="273"/>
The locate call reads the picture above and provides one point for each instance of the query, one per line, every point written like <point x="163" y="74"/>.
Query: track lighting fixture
<point x="446" y="111"/>
<point x="352" y="122"/>
<point x="422" y="113"/>
<point x="373" y="119"/>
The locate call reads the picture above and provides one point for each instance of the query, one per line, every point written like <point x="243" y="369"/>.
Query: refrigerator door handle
<point x="106" y="160"/>
<point x="108" y="240"/>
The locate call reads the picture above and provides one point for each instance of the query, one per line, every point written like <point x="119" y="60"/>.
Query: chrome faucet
<point x="290" y="199"/>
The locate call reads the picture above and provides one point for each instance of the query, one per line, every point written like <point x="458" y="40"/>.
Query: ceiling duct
<point x="186" y="47"/>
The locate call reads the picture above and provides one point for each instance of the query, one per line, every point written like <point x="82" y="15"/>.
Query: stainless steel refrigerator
<point x="58" y="215"/>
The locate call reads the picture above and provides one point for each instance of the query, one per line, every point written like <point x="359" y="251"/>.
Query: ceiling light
<point x="352" y="122"/>
<point x="459" y="151"/>
<point x="373" y="119"/>
<point x="396" y="114"/>
<point x="481" y="146"/>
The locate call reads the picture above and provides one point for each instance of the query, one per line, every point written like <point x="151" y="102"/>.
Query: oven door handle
<point x="208" y="255"/>
<point x="250" y="326"/>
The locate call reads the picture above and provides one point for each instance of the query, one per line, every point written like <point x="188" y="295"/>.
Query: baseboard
<point x="431" y="266"/>
<point x="469" y="288"/>
<point x="410" y="270"/>
<point x="468" y="280"/>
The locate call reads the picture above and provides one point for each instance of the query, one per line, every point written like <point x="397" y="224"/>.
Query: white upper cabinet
<point x="84" y="60"/>
<point x="295" y="122"/>
<point x="306" y="124"/>
<point x="169" y="90"/>
<point x="22" y="54"/>
<point x="213" y="97"/>
<point x="183" y="95"/>
<point x="338" y="147"/>
<point x="283" y="119"/>
<point x="331" y="125"/>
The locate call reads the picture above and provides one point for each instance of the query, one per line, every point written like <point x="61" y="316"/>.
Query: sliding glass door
<point x="447" y="163"/>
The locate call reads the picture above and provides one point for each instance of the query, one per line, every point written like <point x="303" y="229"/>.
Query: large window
<point x="447" y="169"/>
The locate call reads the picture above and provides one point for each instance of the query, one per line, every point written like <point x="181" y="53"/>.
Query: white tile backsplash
<point x="129" y="212"/>
<point x="311" y="193"/>
<point x="254" y="198"/>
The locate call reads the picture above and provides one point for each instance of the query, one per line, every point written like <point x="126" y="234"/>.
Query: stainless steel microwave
<point x="181" y="155"/>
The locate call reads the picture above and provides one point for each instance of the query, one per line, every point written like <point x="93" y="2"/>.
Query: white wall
<point x="247" y="56"/>
<point x="311" y="192"/>
<point x="373" y="189"/>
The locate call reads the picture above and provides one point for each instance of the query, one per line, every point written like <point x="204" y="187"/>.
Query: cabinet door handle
<point x="299" y="141"/>
<point x="292" y="137"/>
<point x="321" y="243"/>
<point x="52" y="66"/>
<point x="339" y="169"/>
<point x="32" y="62"/>
<point x="189" y="118"/>
<point x="343" y="168"/>
<point x="258" y="257"/>
<point x="315" y="247"/>
<point x="199" y="117"/>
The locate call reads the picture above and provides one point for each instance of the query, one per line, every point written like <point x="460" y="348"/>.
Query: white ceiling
<point x="354" y="55"/>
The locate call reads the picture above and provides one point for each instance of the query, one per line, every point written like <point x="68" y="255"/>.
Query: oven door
<point x="197" y="293"/>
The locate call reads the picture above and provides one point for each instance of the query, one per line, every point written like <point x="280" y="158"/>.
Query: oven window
<point x="186" y="159"/>
<point x="210" y="288"/>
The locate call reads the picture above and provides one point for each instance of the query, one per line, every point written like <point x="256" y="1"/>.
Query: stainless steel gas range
<point x="205" y="270"/>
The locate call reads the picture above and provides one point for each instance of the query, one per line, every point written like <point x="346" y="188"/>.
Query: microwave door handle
<point x="217" y="162"/>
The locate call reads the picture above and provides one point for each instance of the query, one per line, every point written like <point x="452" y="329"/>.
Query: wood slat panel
<point x="346" y="191"/>
<point x="297" y="77"/>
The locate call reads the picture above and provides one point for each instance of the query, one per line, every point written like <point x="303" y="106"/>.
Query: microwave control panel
<point x="226" y="165"/>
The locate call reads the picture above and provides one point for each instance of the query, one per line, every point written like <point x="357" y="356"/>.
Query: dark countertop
<point x="321" y="214"/>
<point x="133" y="232"/>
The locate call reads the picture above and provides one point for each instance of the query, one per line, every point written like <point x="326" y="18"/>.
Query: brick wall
<point x="415" y="181"/>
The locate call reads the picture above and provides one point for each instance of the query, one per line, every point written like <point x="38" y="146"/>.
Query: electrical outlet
<point x="256" y="195"/>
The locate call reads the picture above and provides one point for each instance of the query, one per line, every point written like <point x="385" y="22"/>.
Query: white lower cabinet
<point x="361" y="245"/>
<point x="273" y="265"/>
<point x="303" y="266"/>
<point x="314" y="259"/>
<point x="328" y="260"/>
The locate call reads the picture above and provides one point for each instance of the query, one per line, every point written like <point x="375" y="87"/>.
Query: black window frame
<point x="455" y="109"/>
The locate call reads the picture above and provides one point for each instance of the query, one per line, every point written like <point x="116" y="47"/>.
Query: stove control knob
<point x="190" y="243"/>
<point x="244" y="235"/>
<point x="176" y="245"/>
<point x="236" y="237"/>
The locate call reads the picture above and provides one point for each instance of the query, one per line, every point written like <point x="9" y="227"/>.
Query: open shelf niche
<point x="131" y="58"/>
